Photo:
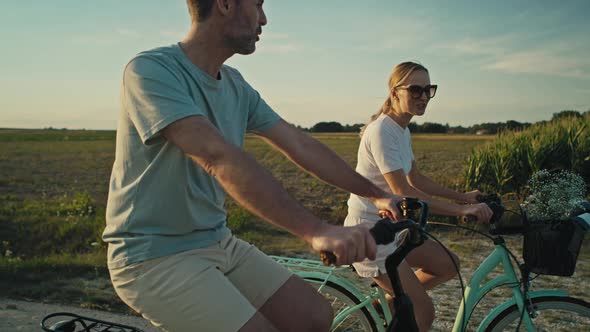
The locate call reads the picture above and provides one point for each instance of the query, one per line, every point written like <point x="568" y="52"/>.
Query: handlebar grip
<point x="494" y="202"/>
<point x="383" y="232"/>
<point x="327" y="258"/>
<point x="468" y="218"/>
<point x="489" y="198"/>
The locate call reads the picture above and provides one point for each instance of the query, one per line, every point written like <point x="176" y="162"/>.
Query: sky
<point x="61" y="62"/>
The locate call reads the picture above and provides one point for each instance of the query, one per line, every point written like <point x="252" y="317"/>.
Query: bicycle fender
<point x="497" y="310"/>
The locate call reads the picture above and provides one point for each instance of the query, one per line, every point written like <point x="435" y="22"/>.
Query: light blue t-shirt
<point x="160" y="201"/>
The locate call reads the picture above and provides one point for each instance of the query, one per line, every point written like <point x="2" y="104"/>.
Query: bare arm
<point x="320" y="161"/>
<point x="400" y="186"/>
<point x="425" y="184"/>
<point x="254" y="188"/>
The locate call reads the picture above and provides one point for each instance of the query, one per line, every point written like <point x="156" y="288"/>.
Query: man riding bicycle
<point x="181" y="129"/>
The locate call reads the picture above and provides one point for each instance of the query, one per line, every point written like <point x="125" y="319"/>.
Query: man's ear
<point x="225" y="6"/>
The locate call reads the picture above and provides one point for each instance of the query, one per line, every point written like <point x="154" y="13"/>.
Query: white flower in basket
<point x="553" y="195"/>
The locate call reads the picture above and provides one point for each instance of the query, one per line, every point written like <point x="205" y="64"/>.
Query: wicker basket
<point x="551" y="247"/>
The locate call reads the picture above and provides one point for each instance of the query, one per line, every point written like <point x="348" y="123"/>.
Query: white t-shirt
<point x="385" y="147"/>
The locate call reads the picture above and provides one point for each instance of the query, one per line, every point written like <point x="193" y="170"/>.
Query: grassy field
<point x="54" y="185"/>
<point x="51" y="175"/>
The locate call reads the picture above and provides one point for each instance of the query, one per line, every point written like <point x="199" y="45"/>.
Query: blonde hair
<point x="399" y="74"/>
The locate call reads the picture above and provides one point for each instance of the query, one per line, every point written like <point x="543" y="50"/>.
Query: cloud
<point x="505" y="53"/>
<point x="127" y="32"/>
<point x="170" y="34"/>
<point x="542" y="62"/>
<point x="115" y="36"/>
<point x="375" y="39"/>
<point x="274" y="35"/>
<point x="278" y="43"/>
<point x="491" y="46"/>
<point x="280" y="48"/>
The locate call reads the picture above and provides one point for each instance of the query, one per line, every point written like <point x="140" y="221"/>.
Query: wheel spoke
<point x="341" y="300"/>
<point x="551" y="314"/>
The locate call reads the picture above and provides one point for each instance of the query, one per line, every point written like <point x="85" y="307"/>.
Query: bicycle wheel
<point x="341" y="299"/>
<point x="70" y="322"/>
<point x="553" y="313"/>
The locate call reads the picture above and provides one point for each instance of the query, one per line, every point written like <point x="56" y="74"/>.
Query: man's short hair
<point x="199" y="9"/>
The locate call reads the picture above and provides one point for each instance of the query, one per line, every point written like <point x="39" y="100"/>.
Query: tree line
<point x="437" y="128"/>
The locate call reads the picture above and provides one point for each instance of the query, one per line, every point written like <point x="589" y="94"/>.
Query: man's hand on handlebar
<point x="348" y="244"/>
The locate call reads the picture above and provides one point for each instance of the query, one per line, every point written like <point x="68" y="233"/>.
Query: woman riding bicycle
<point x="385" y="157"/>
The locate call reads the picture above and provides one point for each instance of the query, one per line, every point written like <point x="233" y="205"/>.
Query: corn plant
<point x="506" y="164"/>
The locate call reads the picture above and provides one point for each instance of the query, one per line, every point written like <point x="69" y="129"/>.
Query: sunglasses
<point x="416" y="91"/>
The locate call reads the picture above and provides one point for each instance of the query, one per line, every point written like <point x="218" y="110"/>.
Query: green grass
<point x="53" y="191"/>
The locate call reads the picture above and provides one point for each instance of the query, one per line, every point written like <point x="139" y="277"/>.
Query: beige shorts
<point x="368" y="268"/>
<point x="217" y="288"/>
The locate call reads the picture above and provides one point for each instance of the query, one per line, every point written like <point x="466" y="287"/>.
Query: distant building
<point x="482" y="132"/>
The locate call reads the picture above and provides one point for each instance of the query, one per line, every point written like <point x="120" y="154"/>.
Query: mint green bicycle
<point x="541" y="310"/>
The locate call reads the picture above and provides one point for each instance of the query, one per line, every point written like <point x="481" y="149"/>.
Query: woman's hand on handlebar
<point x="387" y="206"/>
<point x="481" y="211"/>
<point x="471" y="197"/>
<point x="348" y="244"/>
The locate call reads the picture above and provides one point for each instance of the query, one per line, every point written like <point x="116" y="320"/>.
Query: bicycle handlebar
<point x="494" y="202"/>
<point x="385" y="230"/>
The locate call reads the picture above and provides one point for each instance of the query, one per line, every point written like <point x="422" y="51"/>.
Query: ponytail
<point x="384" y="109"/>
